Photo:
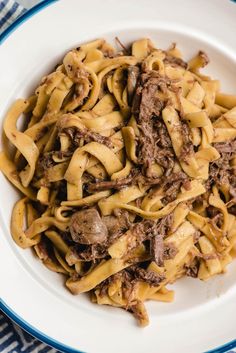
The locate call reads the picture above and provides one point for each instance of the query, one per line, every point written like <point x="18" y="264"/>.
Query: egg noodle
<point x="127" y="169"/>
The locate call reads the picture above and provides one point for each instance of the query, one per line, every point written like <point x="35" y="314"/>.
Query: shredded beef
<point x="165" y="158"/>
<point x="127" y="280"/>
<point x="116" y="184"/>
<point x="170" y="251"/>
<point x="46" y="161"/>
<point x="147" y="181"/>
<point x="76" y="135"/>
<point x="172" y="184"/>
<point x="162" y="136"/>
<point x="226" y="147"/>
<point x="154" y="143"/>
<point x="220" y="171"/>
<point x="187" y="148"/>
<point x="146" y="147"/>
<point x="155" y="231"/>
<point x="150" y="277"/>
<point x="172" y="60"/>
<point x="157" y="246"/>
<point x="116" y="224"/>
<point x="93" y="253"/>
<point x="128" y="285"/>
<point x="171" y="193"/>
<point x="147" y="104"/>
<point x="142" y="229"/>
<point x="164" y="150"/>
<point x="159" y="230"/>
<point x="87" y="253"/>
<point x="192" y="270"/>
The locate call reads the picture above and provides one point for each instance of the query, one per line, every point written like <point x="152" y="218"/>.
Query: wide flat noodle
<point x="21" y="141"/>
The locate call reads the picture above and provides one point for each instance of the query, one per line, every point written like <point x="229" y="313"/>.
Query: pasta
<point x="127" y="170"/>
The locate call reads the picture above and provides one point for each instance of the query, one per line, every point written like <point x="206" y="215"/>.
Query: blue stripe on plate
<point x="10" y="313"/>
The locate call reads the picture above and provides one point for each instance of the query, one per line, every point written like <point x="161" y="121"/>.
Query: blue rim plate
<point x="3" y="306"/>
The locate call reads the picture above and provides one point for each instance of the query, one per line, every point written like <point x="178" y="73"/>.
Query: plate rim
<point x="3" y="306"/>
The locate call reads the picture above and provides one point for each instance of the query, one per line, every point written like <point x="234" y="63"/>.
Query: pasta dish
<point x="127" y="166"/>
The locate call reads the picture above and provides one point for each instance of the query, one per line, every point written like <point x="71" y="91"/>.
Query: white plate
<point x="203" y="314"/>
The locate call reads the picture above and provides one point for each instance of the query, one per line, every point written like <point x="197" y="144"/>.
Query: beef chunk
<point x="86" y="227"/>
